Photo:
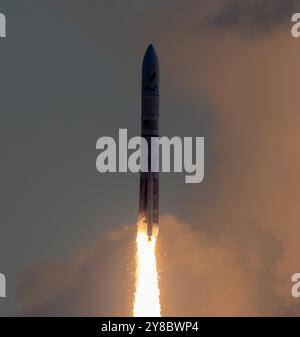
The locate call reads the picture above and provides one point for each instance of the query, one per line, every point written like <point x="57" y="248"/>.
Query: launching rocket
<point x="149" y="181"/>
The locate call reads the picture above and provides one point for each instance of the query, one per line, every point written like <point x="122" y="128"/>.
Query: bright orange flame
<point x="147" y="291"/>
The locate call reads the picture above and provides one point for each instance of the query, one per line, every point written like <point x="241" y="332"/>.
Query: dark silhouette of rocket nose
<point x="150" y="73"/>
<point x="150" y="58"/>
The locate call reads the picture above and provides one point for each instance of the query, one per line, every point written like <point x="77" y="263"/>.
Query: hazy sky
<point x="70" y="73"/>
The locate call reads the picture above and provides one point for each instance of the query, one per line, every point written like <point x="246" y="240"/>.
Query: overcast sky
<point x="70" y="73"/>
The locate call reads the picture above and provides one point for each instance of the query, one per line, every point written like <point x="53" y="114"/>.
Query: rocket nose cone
<point x="150" y="73"/>
<point x="150" y="49"/>
<point x="150" y="58"/>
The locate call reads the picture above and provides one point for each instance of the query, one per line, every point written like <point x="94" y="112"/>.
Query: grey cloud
<point x="250" y="16"/>
<point x="238" y="244"/>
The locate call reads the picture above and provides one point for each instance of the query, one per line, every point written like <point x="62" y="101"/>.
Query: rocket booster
<point x="149" y="181"/>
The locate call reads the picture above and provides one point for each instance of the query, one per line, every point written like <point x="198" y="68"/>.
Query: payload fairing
<point x="149" y="181"/>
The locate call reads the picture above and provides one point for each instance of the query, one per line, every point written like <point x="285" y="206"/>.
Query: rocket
<point x="149" y="181"/>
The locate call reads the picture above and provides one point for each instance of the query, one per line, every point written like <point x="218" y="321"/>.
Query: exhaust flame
<point x="146" y="301"/>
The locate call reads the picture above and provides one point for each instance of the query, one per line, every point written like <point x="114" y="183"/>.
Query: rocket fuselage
<point x="149" y="181"/>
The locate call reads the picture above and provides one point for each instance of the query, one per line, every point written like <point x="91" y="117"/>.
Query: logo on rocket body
<point x="149" y="183"/>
